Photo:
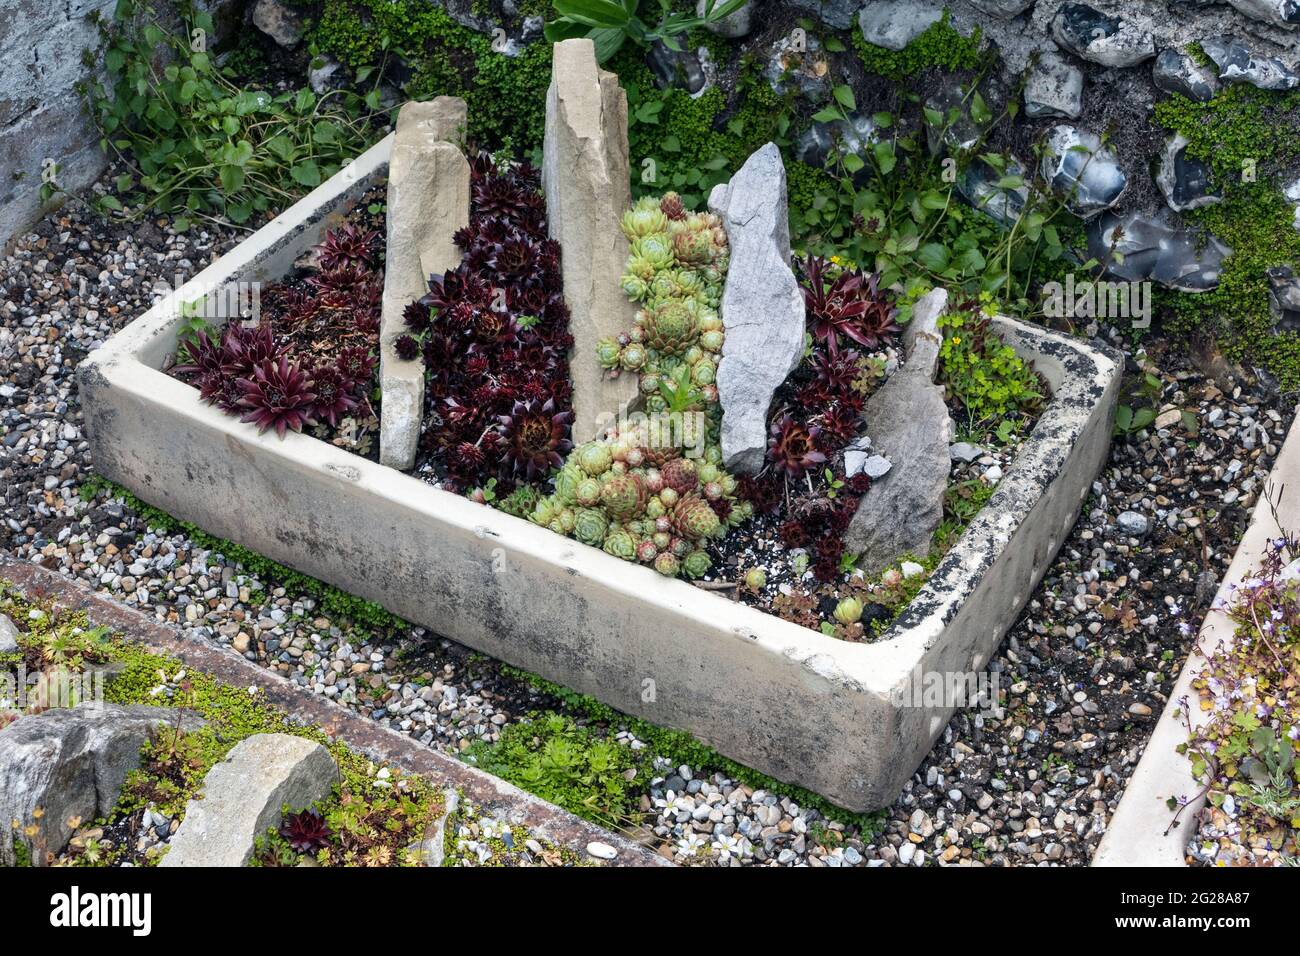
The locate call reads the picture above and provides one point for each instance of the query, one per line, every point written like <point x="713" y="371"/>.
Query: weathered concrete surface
<point x="428" y="200"/>
<point x="1143" y="831"/>
<point x="244" y="796"/>
<point x="585" y="176"/>
<point x="41" y="116"/>
<point x="363" y="735"/>
<point x="907" y="419"/>
<point x="70" y="763"/>
<point x="762" y="305"/>
<point x="792" y="702"/>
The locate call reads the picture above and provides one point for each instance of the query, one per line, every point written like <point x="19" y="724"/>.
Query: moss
<point x="1241" y="128"/>
<point x="572" y="766"/>
<point x="679" y="747"/>
<point x="505" y="96"/>
<point x="941" y="45"/>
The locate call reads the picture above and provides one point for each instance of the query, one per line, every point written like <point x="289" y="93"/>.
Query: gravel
<point x="1083" y="672"/>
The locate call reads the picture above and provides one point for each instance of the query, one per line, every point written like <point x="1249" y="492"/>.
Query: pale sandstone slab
<point x="428" y="200"/>
<point x="585" y="175"/>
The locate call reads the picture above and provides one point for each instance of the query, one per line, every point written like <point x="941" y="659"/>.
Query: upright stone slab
<point x="909" y="425"/>
<point x="244" y="796"/>
<point x="762" y="305"/>
<point x="585" y="175"/>
<point x="428" y="200"/>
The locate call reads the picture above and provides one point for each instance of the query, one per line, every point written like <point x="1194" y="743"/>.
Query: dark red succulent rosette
<point x="494" y="336"/>
<point x="311" y="357"/>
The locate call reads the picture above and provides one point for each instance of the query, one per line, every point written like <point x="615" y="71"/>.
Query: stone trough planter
<point x="831" y="716"/>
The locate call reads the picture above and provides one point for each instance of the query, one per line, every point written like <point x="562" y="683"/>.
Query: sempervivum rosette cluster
<point x="610" y="495"/>
<point x="675" y="272"/>
<point x="311" y="358"/>
<point x="494" y="336"/>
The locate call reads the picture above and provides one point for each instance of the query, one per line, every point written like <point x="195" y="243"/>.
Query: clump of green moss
<point x="941" y="45"/>
<point x="506" y="95"/>
<point x="1237" y="135"/>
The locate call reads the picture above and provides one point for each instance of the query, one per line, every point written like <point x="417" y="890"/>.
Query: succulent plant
<point x="621" y="544"/>
<point x="848" y="611"/>
<point x="533" y="436"/>
<point x="696" y="564"/>
<point x="681" y="475"/>
<point x="623" y="496"/>
<point x="590" y="525"/>
<point x="643" y="221"/>
<point x="669" y="328"/>
<point x="306" y="831"/>
<point x="848" y="304"/>
<point x="349" y="245"/>
<point x="792" y="446"/>
<point x="667" y="564"/>
<point x="277" y="395"/>
<point x="693" y="518"/>
<point x="755" y="579"/>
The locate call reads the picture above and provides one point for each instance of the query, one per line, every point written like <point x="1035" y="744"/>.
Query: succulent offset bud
<point x="594" y="458"/>
<point x="654" y="508"/>
<point x="588" y="492"/>
<point x="848" y="611"/>
<point x="663" y="523"/>
<point x="642" y="222"/>
<point x="646" y="551"/>
<point x="662" y="540"/>
<point x="712" y="491"/>
<point x="668" y="496"/>
<point x="694" y="519"/>
<point x="635" y="458"/>
<point x="654" y="481"/>
<point x="621" y="545"/>
<point x="755" y="579"/>
<point x="681" y="547"/>
<point x="566" y="483"/>
<point x="607" y="353"/>
<point x="711" y="340"/>
<point x="590" y="525"/>
<point x="696" y="564"/>
<point x="667" y="564"/>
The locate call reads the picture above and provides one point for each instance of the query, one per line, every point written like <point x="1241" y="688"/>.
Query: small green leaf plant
<point x="992" y="383"/>
<point x="610" y="23"/>
<point x="195" y="144"/>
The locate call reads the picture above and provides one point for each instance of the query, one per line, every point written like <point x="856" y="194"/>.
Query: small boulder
<point x="1237" y="64"/>
<point x="8" y="635"/>
<point x="70" y="764"/>
<point x="1002" y="9"/>
<point x="244" y="796"/>
<point x="1284" y="298"/>
<point x="1083" y="172"/>
<point x="1282" y="12"/>
<point x="733" y="26"/>
<point x="278" y="22"/>
<point x="585" y="178"/>
<point x="762" y="305"/>
<point x="1176" y="72"/>
<point x="1053" y="87"/>
<point x="1184" y="180"/>
<point x="1092" y="35"/>
<point x="837" y="14"/>
<point x="893" y="24"/>
<point x="1157" y="247"/>
<point x="909" y="425"/>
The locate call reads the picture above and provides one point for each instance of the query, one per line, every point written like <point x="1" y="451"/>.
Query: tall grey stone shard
<point x="244" y="796"/>
<point x="909" y="425"/>
<point x="428" y="200"/>
<point x="585" y="175"/>
<point x="762" y="305"/>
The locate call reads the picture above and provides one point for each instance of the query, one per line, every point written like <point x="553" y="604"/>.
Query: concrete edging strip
<point x="1142" y="832"/>
<point x="362" y="734"/>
